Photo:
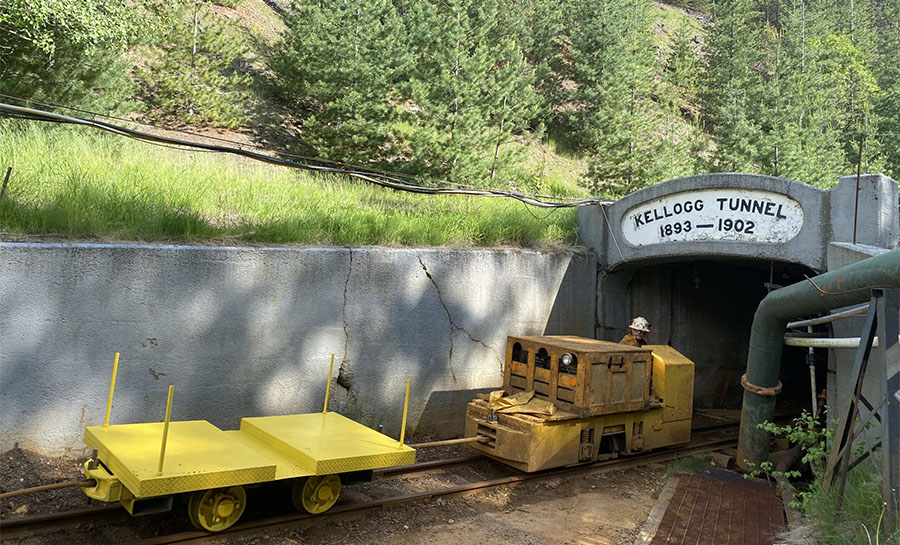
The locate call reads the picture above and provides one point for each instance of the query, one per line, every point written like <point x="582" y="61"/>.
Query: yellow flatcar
<point x="145" y="466"/>
<point x="604" y="399"/>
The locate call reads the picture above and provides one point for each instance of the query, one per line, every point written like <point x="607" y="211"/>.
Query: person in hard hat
<point x="637" y="332"/>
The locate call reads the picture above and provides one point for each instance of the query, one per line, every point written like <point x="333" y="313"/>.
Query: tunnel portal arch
<point x="696" y="255"/>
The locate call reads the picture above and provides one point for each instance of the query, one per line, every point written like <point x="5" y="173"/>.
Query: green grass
<point x="667" y="20"/>
<point x="549" y="170"/>
<point x="76" y="183"/>
<point x="688" y="464"/>
<point x="857" y="523"/>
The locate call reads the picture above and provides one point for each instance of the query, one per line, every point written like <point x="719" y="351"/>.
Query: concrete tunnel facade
<point x="696" y="256"/>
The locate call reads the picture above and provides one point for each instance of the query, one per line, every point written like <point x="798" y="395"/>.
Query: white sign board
<point x="742" y="215"/>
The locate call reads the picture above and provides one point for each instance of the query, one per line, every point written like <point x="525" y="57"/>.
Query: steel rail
<point x="459" y="490"/>
<point x="18" y="528"/>
<point x="21" y="527"/>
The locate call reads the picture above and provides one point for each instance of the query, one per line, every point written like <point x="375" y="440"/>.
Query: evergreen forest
<point x="476" y="91"/>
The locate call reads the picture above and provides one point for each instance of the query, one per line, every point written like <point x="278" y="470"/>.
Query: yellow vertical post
<point x="112" y="386"/>
<point x="405" y="407"/>
<point x="328" y="386"/>
<point x="162" y="448"/>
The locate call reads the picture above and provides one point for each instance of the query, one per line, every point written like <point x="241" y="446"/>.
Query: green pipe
<point x="846" y="286"/>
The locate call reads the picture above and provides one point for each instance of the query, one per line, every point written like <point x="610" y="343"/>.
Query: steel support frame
<point x="882" y="318"/>
<point x="844" y="434"/>
<point x="888" y="309"/>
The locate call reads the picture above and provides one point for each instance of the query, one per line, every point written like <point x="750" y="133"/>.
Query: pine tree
<point x="850" y="61"/>
<point x="470" y="91"/>
<point x="197" y="77"/>
<point x="541" y="35"/>
<point x="682" y="137"/>
<point x="800" y="105"/>
<point x="94" y="79"/>
<point x="343" y="61"/>
<point x="886" y="24"/>
<point x="612" y="114"/>
<point x="681" y="65"/>
<point x="68" y="51"/>
<point x="732" y="87"/>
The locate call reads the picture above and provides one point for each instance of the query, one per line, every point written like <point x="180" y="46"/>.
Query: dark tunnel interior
<point x="705" y="309"/>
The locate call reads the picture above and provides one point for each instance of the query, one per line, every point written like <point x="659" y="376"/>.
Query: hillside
<point x="559" y="169"/>
<point x="550" y="164"/>
<point x="555" y="98"/>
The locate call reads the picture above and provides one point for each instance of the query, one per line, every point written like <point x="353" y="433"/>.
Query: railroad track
<point x="710" y="439"/>
<point x="36" y="525"/>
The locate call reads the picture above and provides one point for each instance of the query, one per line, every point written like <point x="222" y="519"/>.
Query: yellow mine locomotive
<point x="568" y="400"/>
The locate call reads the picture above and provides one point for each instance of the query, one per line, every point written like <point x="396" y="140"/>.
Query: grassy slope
<point x="73" y="182"/>
<point x="103" y="187"/>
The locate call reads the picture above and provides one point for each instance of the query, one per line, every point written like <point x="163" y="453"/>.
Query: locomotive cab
<point x="607" y="399"/>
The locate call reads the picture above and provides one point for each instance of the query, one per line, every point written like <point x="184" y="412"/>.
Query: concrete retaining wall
<point x="249" y="331"/>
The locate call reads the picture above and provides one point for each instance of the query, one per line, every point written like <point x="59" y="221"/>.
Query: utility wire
<point x="28" y="101"/>
<point x="359" y="168"/>
<point x="365" y="176"/>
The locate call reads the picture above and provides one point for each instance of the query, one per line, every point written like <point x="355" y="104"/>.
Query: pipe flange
<point x="760" y="390"/>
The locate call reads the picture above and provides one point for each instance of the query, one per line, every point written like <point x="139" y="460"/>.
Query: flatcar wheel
<point x="217" y="509"/>
<point x="316" y="494"/>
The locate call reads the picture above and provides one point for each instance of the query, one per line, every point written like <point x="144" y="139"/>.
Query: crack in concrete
<point x="453" y="325"/>
<point x="343" y="378"/>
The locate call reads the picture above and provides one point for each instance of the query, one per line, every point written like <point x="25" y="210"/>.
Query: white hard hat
<point x="641" y="324"/>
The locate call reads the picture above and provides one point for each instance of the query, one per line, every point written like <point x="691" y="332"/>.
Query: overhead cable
<point x="389" y="174"/>
<point x="369" y="177"/>
<point x="95" y="115"/>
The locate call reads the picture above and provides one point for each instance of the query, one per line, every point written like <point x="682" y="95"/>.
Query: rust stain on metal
<point x="721" y="508"/>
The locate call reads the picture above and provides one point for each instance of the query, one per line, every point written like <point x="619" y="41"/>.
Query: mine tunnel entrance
<point x="704" y="309"/>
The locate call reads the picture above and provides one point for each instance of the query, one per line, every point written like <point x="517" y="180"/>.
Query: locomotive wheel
<point x="217" y="509"/>
<point x="316" y="494"/>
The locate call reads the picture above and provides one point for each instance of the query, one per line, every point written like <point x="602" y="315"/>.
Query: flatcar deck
<point x="201" y="456"/>
<point x="198" y="456"/>
<point x="327" y="443"/>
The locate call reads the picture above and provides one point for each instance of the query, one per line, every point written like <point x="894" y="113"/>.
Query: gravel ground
<point x="597" y="509"/>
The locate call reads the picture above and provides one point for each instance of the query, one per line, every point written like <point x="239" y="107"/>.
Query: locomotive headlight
<point x="566" y="360"/>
